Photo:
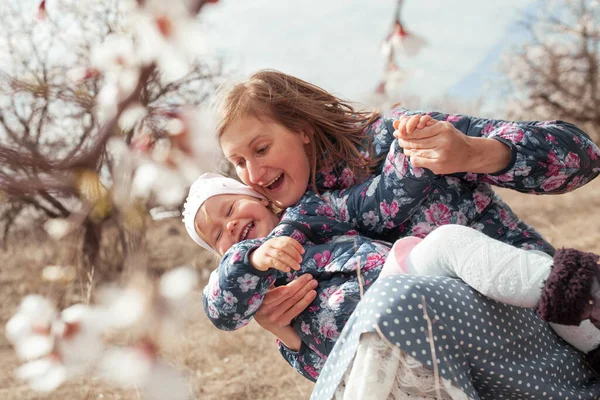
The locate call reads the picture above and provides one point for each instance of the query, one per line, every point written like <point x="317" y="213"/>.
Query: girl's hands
<point x="282" y="253"/>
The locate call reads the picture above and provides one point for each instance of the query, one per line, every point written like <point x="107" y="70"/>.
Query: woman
<point x="282" y="134"/>
<point x="263" y="124"/>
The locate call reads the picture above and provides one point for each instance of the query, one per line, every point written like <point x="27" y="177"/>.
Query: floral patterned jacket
<point x="547" y="157"/>
<point x="336" y="256"/>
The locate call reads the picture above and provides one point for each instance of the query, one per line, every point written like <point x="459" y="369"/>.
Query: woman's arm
<point x="537" y="156"/>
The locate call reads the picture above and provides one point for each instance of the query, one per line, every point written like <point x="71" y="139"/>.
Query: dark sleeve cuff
<point x="513" y="155"/>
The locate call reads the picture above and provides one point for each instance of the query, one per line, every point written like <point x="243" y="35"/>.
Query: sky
<point x="335" y="43"/>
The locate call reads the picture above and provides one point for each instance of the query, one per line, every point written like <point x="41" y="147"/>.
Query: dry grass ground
<point x="243" y="364"/>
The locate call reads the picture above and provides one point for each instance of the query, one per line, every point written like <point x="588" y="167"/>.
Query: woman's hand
<point x="443" y="149"/>
<point x="282" y="253"/>
<point x="284" y="303"/>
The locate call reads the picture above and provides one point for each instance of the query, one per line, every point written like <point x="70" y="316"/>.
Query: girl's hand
<point x="284" y="303"/>
<point x="282" y="253"/>
<point x="406" y="125"/>
<point x="443" y="149"/>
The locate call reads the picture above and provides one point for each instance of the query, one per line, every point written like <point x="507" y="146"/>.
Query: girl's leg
<point x="498" y="270"/>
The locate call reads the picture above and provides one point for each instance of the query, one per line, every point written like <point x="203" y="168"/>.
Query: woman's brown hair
<point x="336" y="126"/>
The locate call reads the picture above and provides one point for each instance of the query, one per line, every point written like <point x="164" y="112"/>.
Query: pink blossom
<point x="593" y="152"/>
<point x="453" y="118"/>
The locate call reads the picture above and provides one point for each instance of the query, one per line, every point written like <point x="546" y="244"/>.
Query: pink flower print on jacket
<point x="299" y="236"/>
<point x="329" y="178"/>
<point x="554" y="182"/>
<point x="453" y="118"/>
<point x="247" y="282"/>
<point x="310" y="370"/>
<point x="327" y="326"/>
<point x="575" y="182"/>
<point x="212" y="311"/>
<point x="551" y="139"/>
<point x="481" y="201"/>
<point x="305" y="328"/>
<point x="347" y="178"/>
<point x="212" y="288"/>
<point x="373" y="261"/>
<point x="254" y="303"/>
<point x="507" y="219"/>
<point x="229" y="298"/>
<point x="370" y="218"/>
<point x="336" y="299"/>
<point x="322" y="259"/>
<point x="325" y="210"/>
<point x="422" y="229"/>
<point x="389" y="210"/>
<point x="438" y="214"/>
<point x="572" y="160"/>
<point x="512" y="133"/>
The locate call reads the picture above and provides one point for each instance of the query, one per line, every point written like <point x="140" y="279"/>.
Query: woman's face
<point x="269" y="158"/>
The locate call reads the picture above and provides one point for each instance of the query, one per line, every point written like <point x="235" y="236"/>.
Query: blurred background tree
<point x="53" y="158"/>
<point x="556" y="74"/>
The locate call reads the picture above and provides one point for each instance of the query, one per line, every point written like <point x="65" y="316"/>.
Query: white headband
<point x="203" y="188"/>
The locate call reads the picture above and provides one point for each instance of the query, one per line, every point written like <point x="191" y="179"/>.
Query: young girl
<point x="217" y="218"/>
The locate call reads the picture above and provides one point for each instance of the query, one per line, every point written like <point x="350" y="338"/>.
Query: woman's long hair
<point x="336" y="127"/>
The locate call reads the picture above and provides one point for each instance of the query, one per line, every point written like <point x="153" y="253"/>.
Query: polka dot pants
<point x="489" y="349"/>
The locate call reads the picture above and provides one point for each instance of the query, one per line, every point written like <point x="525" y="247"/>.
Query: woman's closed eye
<point x="262" y="150"/>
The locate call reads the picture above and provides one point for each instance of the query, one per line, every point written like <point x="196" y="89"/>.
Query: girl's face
<point x="227" y="219"/>
<point x="269" y="158"/>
